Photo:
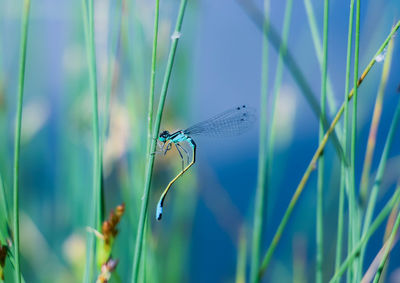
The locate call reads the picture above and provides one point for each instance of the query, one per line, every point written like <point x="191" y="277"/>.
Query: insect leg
<point x="180" y="154"/>
<point x="186" y="152"/>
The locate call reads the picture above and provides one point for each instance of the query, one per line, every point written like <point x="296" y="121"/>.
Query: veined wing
<point x="230" y="123"/>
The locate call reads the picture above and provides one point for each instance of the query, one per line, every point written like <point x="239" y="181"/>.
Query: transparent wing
<point x="230" y="123"/>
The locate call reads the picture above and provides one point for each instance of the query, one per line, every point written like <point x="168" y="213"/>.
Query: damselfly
<point x="230" y="123"/>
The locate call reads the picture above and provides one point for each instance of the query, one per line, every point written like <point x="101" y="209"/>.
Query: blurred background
<point x="217" y="67"/>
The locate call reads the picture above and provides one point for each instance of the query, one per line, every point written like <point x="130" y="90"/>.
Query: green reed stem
<point x="273" y="36"/>
<point x="152" y="76"/>
<point x="17" y="139"/>
<point x="95" y="117"/>
<point x="88" y="19"/>
<point x="241" y="258"/>
<point x="4" y="205"/>
<point x="330" y="96"/>
<point x="375" y="123"/>
<point x="352" y="189"/>
<point x="277" y="86"/>
<point x="388" y="244"/>
<point x="379" y="175"/>
<point x="395" y="199"/>
<point x="149" y="168"/>
<point x="320" y="181"/>
<point x="312" y="164"/>
<point x="150" y="116"/>
<point x="111" y="67"/>
<point x="344" y="168"/>
<point x="259" y="207"/>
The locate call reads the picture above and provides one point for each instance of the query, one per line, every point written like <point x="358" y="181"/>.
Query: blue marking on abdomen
<point x="179" y="138"/>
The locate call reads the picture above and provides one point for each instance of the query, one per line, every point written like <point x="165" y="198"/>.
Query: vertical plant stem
<point x="150" y="163"/>
<point x="150" y="116"/>
<point x="111" y="68"/>
<point x="374" y="124"/>
<point x="364" y="239"/>
<point x="95" y="207"/>
<point x="277" y="86"/>
<point x="378" y="178"/>
<point x="355" y="208"/>
<point x="330" y="96"/>
<point x="17" y="139"/>
<point x="152" y="76"/>
<point x="320" y="182"/>
<point x="312" y="164"/>
<point x="267" y="157"/>
<point x="388" y="248"/>
<point x="241" y="258"/>
<point x="95" y="117"/>
<point x="257" y="17"/>
<point x="344" y="168"/>
<point x="260" y="197"/>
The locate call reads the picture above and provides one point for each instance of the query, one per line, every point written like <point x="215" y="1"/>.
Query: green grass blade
<point x="95" y="207"/>
<point x="278" y="83"/>
<point x="344" y="168"/>
<point x="273" y="36"/>
<point x="261" y="191"/>
<point x="379" y="175"/>
<point x="17" y="140"/>
<point x="364" y="239"/>
<point x="4" y="212"/>
<point x="150" y="163"/>
<point x="111" y="67"/>
<point x="375" y="123"/>
<point x="241" y="258"/>
<point x="312" y="164"/>
<point x="388" y="244"/>
<point x="153" y="76"/>
<point x="320" y="181"/>
<point x="355" y="223"/>
<point x="330" y="96"/>
<point x="150" y="116"/>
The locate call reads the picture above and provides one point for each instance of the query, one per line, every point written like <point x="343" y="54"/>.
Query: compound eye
<point x="163" y="136"/>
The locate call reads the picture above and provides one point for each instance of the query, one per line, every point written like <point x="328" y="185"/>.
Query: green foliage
<point x="93" y="145"/>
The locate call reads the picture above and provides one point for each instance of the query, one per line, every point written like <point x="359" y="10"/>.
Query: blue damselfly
<point x="232" y="122"/>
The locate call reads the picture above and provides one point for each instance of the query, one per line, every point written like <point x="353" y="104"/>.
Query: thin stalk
<point x="17" y="139"/>
<point x="273" y="36"/>
<point x="90" y="239"/>
<point x="364" y="239"/>
<point x="152" y="76"/>
<point x="320" y="181"/>
<point x="3" y="203"/>
<point x="379" y="176"/>
<point x="260" y="197"/>
<point x="354" y="121"/>
<point x="344" y="168"/>
<point x="96" y="193"/>
<point x="339" y="237"/>
<point x="374" y="124"/>
<point x="241" y="258"/>
<point x="314" y="159"/>
<point x="352" y="189"/>
<point x="277" y="86"/>
<point x="111" y="66"/>
<point x="330" y="96"/>
<point x="388" y="245"/>
<point x="114" y="46"/>
<point x="150" y="117"/>
<point x="95" y="116"/>
<point x="149" y="168"/>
